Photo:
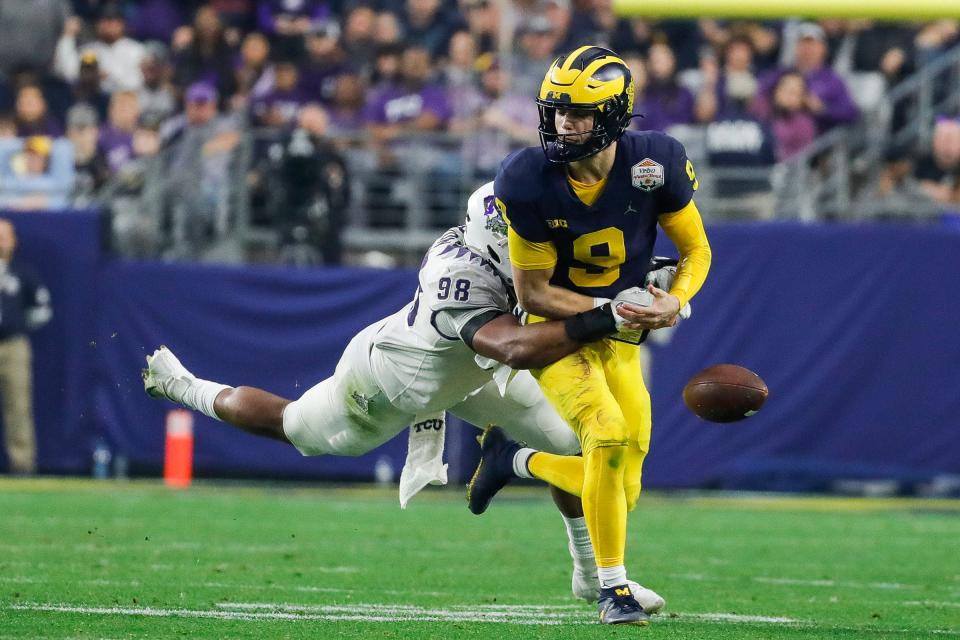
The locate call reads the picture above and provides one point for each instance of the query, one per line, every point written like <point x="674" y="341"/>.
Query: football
<point x="725" y="393"/>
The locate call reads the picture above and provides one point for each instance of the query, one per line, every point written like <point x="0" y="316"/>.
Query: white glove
<point x="662" y="278"/>
<point x="637" y="296"/>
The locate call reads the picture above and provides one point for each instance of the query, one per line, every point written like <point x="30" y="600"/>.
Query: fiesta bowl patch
<point x="647" y="175"/>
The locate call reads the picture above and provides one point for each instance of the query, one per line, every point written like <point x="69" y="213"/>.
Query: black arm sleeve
<point x="592" y="325"/>
<point x="473" y="325"/>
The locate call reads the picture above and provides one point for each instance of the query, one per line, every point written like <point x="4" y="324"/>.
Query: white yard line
<point x="105" y="547"/>
<point x="506" y="614"/>
<point x="274" y="615"/>
<point x="835" y="583"/>
<point x="930" y="603"/>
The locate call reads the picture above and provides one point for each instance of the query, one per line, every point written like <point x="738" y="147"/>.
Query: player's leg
<point x="577" y="388"/>
<point x="580" y="393"/>
<point x="16" y="395"/>
<point x="625" y="377"/>
<point x="526" y="416"/>
<point x="345" y="414"/>
<point x="253" y="410"/>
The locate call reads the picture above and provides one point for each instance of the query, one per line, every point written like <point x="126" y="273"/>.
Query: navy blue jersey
<point x="606" y="247"/>
<point x="20" y="294"/>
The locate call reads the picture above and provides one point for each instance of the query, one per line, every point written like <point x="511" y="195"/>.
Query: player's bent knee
<point x="614" y="435"/>
<point x="614" y="450"/>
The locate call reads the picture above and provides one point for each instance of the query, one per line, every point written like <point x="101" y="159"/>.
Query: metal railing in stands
<point x="828" y="179"/>
<point x="405" y="192"/>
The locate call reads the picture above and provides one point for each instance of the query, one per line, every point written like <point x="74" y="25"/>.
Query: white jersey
<point x="409" y="368"/>
<point x="417" y="356"/>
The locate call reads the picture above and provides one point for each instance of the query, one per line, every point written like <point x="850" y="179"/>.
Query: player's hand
<point x="662" y="312"/>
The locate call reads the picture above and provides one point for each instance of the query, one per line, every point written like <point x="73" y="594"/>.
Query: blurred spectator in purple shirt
<point x="827" y="97"/>
<point x="725" y="92"/>
<point x="664" y="102"/>
<point x="203" y="54"/>
<point x="429" y="24"/>
<point x="346" y="111"/>
<point x="502" y="122"/>
<point x="280" y="105"/>
<point x="116" y="138"/>
<point x="156" y="96"/>
<point x="414" y="104"/>
<point x="254" y="73"/>
<point x="325" y="60"/>
<point x="30" y="113"/>
<point x="118" y="56"/>
<point x="794" y="126"/>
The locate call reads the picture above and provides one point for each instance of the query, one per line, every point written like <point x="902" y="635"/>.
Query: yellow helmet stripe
<point x="573" y="56"/>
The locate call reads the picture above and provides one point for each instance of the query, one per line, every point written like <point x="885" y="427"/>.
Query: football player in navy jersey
<point x="583" y="212"/>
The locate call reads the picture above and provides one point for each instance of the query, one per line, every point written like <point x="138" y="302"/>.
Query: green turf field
<point x="106" y="560"/>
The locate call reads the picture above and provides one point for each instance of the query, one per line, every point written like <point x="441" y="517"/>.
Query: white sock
<point x="199" y="396"/>
<point x="581" y="549"/>
<point x="520" y="459"/>
<point x="612" y="576"/>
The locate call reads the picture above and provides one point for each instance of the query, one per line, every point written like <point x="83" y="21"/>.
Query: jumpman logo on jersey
<point x="630" y="209"/>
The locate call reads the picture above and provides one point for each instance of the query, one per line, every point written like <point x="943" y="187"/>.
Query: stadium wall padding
<point x="854" y="328"/>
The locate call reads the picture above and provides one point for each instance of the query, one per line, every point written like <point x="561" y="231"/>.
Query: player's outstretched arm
<point x="537" y="296"/>
<point x="537" y="345"/>
<point x="685" y="230"/>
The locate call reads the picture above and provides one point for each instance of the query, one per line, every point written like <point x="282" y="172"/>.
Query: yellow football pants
<point x="599" y="391"/>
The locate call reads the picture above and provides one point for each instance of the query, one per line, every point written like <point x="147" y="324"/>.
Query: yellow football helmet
<point x="592" y="79"/>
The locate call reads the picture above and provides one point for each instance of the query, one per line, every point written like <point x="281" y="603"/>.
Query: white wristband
<point x="599" y="302"/>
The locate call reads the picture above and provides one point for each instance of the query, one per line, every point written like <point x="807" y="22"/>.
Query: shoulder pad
<point x="520" y="175"/>
<point x="462" y="279"/>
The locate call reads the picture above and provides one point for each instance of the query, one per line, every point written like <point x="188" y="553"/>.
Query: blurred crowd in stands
<point x="183" y="115"/>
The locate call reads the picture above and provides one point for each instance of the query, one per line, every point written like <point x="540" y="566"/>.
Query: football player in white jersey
<point x="421" y="361"/>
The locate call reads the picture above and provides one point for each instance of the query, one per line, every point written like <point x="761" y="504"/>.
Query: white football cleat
<point x="651" y="601"/>
<point x="586" y="586"/>
<point x="165" y="377"/>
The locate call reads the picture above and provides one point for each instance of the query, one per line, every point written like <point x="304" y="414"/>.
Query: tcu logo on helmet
<point x="493" y="221"/>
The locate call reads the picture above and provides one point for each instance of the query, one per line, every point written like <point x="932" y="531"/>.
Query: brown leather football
<point x="725" y="393"/>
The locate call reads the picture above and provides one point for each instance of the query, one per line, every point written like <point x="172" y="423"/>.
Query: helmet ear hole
<point x="493" y="254"/>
